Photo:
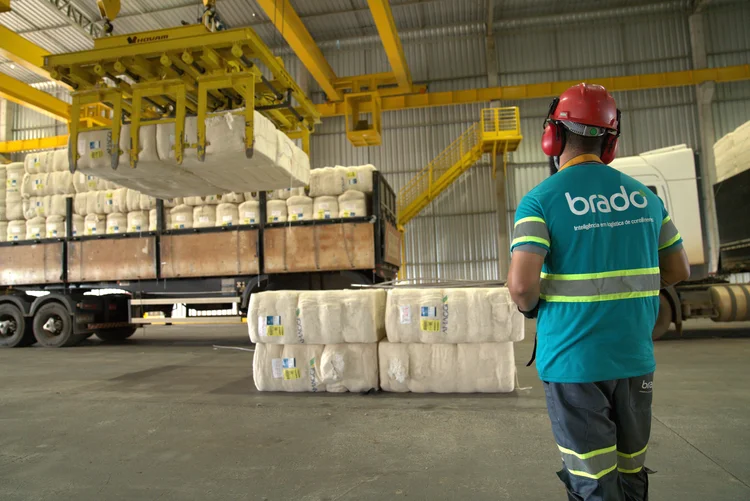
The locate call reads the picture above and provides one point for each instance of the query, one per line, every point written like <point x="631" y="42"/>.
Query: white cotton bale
<point x="447" y="368"/>
<point x="36" y="228"/>
<point x="170" y="203"/>
<point x="272" y="317"/>
<point x="35" y="185"/>
<point x="3" y="212"/>
<point x="57" y="205"/>
<point x="284" y="151"/>
<point x="349" y="367"/>
<point x="227" y="215"/>
<point x="60" y="161"/>
<point x="325" y="207"/>
<point x="352" y="204"/>
<point x="251" y="195"/>
<point x="286" y="193"/>
<point x="347" y="316"/>
<point x="249" y="212"/>
<point x="152" y="222"/>
<point x="232" y="198"/>
<point x="29" y="208"/>
<point x="137" y="221"/>
<point x="3" y="231"/>
<point x="55" y="227"/>
<point x="211" y="200"/>
<point x="79" y="204"/>
<point x="36" y="207"/>
<point x="291" y="368"/>
<point x="16" y="231"/>
<point x="359" y="178"/>
<point x="61" y="183"/>
<point x="3" y="182"/>
<point x="460" y="315"/>
<point x="132" y="200"/>
<point x="204" y="217"/>
<point x="328" y="181"/>
<point x="39" y="162"/>
<point x="300" y="163"/>
<point x="14" y="173"/>
<point x="147" y="202"/>
<point x="276" y="211"/>
<point x="95" y="224"/>
<point x="14" y="210"/>
<point x="299" y="208"/>
<point x="116" y="201"/>
<point x="193" y="201"/>
<point x="95" y="202"/>
<point x="181" y="217"/>
<point x="79" y="225"/>
<point x="117" y="223"/>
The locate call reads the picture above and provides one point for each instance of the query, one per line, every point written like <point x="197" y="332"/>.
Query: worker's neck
<point x="573" y="157"/>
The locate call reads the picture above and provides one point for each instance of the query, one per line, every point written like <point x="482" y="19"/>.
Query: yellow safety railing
<point x="498" y="131"/>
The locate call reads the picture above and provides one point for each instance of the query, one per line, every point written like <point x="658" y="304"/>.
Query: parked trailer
<point x="671" y="173"/>
<point x="204" y="269"/>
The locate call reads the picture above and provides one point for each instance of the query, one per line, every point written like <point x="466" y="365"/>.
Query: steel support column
<point x="704" y="94"/>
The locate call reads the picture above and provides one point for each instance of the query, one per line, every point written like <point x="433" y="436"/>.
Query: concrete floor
<point x="169" y="417"/>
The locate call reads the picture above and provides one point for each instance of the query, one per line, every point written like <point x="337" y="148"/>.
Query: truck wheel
<point x="664" y="319"/>
<point x="14" y="333"/>
<point x="53" y="327"/>
<point x="116" y="335"/>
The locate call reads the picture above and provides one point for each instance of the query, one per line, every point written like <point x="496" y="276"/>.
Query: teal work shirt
<point x="601" y="233"/>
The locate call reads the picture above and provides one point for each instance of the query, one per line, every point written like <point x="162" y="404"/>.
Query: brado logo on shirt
<point x="620" y="201"/>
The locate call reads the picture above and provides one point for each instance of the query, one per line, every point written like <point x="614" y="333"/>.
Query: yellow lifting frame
<point x="244" y="84"/>
<point x="174" y="88"/>
<point x="94" y="96"/>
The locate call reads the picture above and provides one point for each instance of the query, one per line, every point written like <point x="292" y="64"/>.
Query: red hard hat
<point x="588" y="104"/>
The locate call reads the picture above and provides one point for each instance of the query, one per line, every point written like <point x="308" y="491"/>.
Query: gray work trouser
<point x="602" y="431"/>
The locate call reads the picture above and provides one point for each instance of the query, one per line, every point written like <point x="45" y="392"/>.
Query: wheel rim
<point x="8" y="326"/>
<point x="52" y="327"/>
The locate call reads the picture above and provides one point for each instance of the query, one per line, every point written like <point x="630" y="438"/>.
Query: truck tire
<point x="116" y="335"/>
<point x="663" y="319"/>
<point x="53" y="327"/>
<point x="17" y="332"/>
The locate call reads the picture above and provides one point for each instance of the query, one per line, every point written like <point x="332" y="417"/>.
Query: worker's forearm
<point x="525" y="299"/>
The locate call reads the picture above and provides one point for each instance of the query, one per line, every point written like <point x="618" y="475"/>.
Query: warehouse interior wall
<point x="455" y="237"/>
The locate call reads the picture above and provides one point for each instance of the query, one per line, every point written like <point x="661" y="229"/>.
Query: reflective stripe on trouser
<point x="587" y="420"/>
<point x="604" y="286"/>
<point x="668" y="234"/>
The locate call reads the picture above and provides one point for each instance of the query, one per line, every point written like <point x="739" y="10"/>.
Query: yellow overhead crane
<point x="162" y="76"/>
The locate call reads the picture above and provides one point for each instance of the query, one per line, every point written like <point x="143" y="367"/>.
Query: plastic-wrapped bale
<point x="137" y="221"/>
<point x="36" y="228"/>
<point x="352" y="204"/>
<point x="325" y="207"/>
<point x="152" y="177"/>
<point x="116" y="201"/>
<point x="147" y="202"/>
<point x="328" y="181"/>
<point x="447" y="368"/>
<point x="117" y="223"/>
<point x="57" y="205"/>
<point x="60" y="162"/>
<point x="272" y="317"/>
<point x="55" y="227"/>
<point x="61" y="183"/>
<point x="347" y="316"/>
<point x="350" y="367"/>
<point x="16" y="230"/>
<point x="3" y="231"/>
<point x="36" y="207"/>
<point x="181" y="217"/>
<point x="132" y="200"/>
<point x="152" y="222"/>
<point x="299" y="208"/>
<point x="276" y="211"/>
<point x="35" y="185"/>
<point x="359" y="178"/>
<point x="227" y="215"/>
<point x="293" y="368"/>
<point x="95" y="224"/>
<point x="14" y="173"/>
<point x="249" y="212"/>
<point x="204" y="217"/>
<point x="39" y="162"/>
<point x="232" y="198"/>
<point x="96" y="202"/>
<point x="79" y="204"/>
<point x="226" y="164"/>
<point x="462" y="315"/>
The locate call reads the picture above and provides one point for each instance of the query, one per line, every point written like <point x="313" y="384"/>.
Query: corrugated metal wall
<point x="456" y="236"/>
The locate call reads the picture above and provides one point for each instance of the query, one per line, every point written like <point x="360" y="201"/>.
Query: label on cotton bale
<point x="36" y="232"/>
<point x="404" y="314"/>
<point x="352" y="176"/>
<point x="298" y="216"/>
<point x="202" y="219"/>
<point x="135" y="227"/>
<point x="91" y="182"/>
<point x="11" y="182"/>
<point x="270" y="325"/>
<point x="280" y="365"/>
<point x="38" y="185"/>
<point x="324" y="214"/>
<point x="52" y="234"/>
<point x="178" y="226"/>
<point x="428" y="319"/>
<point x="349" y="213"/>
<point x="180" y="218"/>
<point x="248" y="218"/>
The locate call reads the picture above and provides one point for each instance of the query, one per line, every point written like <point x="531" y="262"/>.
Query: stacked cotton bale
<point x="316" y="341"/>
<point x="450" y="341"/>
<point x="12" y="202"/>
<point x="341" y="191"/>
<point x="732" y="153"/>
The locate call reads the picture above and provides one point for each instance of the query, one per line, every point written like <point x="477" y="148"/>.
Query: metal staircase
<point x="498" y="131"/>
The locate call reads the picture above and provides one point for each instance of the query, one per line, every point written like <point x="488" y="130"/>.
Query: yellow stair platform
<point x="498" y="132"/>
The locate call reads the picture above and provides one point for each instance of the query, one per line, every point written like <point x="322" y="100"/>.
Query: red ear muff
<point x="609" y="149"/>
<point x="553" y="140"/>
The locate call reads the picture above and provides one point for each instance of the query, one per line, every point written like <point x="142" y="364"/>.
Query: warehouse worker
<point x="603" y="245"/>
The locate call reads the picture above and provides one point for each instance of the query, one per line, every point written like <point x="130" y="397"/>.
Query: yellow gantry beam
<point x="550" y="89"/>
<point x="45" y="143"/>
<point x="282" y="15"/>
<point x="4" y="5"/>
<point x="381" y="13"/>
<point x="26" y="95"/>
<point x="22" y="52"/>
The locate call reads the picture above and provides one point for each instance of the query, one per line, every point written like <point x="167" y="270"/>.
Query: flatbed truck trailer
<point x="48" y="288"/>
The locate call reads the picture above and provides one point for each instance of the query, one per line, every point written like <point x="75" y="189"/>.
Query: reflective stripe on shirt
<point x="605" y="286"/>
<point x="668" y="234"/>
<point x="530" y="230"/>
